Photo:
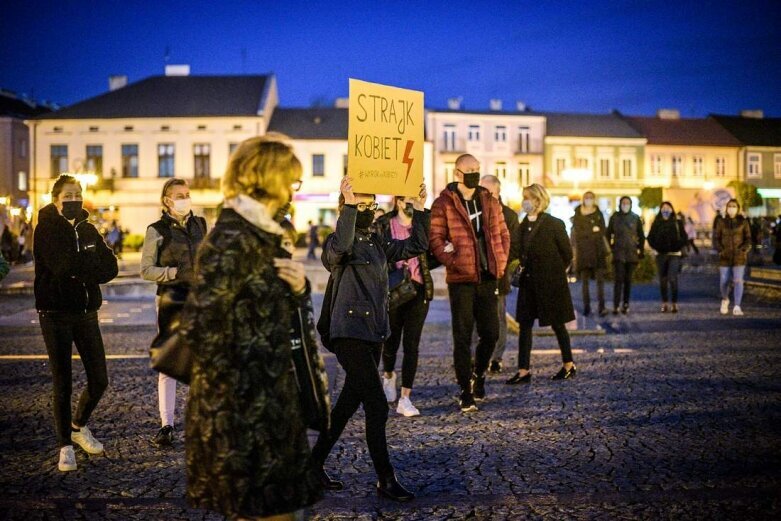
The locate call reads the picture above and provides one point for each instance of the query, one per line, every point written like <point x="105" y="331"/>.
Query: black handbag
<point x="314" y="406"/>
<point x="401" y="289"/>
<point x="173" y="358"/>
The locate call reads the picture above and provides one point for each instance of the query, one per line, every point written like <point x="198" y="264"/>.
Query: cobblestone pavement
<point x="673" y="417"/>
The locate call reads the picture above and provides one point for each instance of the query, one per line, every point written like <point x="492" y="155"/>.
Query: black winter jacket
<point x="358" y="263"/>
<point x="70" y="263"/>
<point x="626" y="236"/>
<point x="588" y="240"/>
<point x="667" y="235"/>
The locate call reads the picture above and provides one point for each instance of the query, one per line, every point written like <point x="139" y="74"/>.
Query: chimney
<point x="342" y="103"/>
<point x="116" y="82"/>
<point x="454" y="103"/>
<point x="668" y="114"/>
<point x="177" y="70"/>
<point x="495" y="104"/>
<point x="520" y="106"/>
<point x="753" y="114"/>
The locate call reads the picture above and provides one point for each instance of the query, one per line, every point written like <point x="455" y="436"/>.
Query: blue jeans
<point x="737" y="280"/>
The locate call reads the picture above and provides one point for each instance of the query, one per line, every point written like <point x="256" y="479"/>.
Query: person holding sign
<point x="469" y="236"/>
<point x="354" y="324"/>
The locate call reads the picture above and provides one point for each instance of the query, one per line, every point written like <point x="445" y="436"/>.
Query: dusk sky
<point x="700" y="57"/>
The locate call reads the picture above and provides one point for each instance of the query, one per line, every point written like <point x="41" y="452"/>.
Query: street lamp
<point x="575" y="176"/>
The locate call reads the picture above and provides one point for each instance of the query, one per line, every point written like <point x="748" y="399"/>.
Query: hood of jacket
<point x="50" y="213"/>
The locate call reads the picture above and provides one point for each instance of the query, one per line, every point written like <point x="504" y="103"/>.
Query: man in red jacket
<point x="469" y="236"/>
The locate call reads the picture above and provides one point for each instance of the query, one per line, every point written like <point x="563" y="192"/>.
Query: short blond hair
<point x="262" y="167"/>
<point x="538" y="193"/>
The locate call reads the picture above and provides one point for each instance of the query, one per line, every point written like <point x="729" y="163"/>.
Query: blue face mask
<point x="666" y="214"/>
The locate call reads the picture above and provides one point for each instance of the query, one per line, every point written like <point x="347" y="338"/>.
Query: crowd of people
<point x="225" y="293"/>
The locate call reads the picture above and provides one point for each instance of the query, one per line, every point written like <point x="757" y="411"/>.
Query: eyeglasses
<point x="296" y="185"/>
<point x="362" y="207"/>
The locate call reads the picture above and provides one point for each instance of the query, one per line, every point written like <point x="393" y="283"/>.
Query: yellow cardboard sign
<point x="385" y="139"/>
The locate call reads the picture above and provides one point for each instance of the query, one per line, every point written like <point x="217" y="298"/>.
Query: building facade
<point x="508" y="144"/>
<point x="124" y="144"/>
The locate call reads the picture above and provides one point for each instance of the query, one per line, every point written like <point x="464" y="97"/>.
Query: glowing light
<point x="15" y="212"/>
<point x="4" y="201"/>
<point x="708" y="185"/>
<point x="576" y="175"/>
<point x="86" y="179"/>
<point x="46" y="198"/>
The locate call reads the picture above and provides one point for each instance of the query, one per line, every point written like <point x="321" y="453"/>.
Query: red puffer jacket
<point x="450" y="223"/>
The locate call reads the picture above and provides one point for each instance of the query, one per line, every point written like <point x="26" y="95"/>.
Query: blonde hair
<point x="538" y="193"/>
<point x="262" y="167"/>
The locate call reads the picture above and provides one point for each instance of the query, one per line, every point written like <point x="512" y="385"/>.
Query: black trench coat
<point x="544" y="290"/>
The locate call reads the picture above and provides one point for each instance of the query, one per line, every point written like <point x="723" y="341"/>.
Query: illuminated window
<point x="500" y="134"/>
<point x="561" y="164"/>
<point x="754" y="165"/>
<point x="721" y="166"/>
<point x="473" y="133"/>
<point x="656" y="165"/>
<point x="95" y="159"/>
<point x="450" y="137"/>
<point x="129" y="160"/>
<point x="524" y="174"/>
<point x="165" y="160"/>
<point x="627" y="168"/>
<point x="604" y="168"/>
<point x="524" y="140"/>
<point x="581" y="162"/>
<point x="698" y="165"/>
<point x="59" y="159"/>
<point x="677" y="166"/>
<point x="202" y="160"/>
<point x="22" y="181"/>
<point x="500" y="170"/>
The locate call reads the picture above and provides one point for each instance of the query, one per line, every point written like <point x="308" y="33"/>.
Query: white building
<point x="508" y="144"/>
<point x="127" y="142"/>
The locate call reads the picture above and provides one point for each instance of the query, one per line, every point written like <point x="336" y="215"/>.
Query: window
<point x="93" y="129"/>
<point x="698" y="165"/>
<point x="721" y="166"/>
<point x="129" y="160"/>
<point x="450" y="170"/>
<point x="59" y="159"/>
<point x="561" y="164"/>
<point x="22" y="148"/>
<point x="58" y="129"/>
<point x="500" y="134"/>
<point x="232" y="147"/>
<point x="95" y="159"/>
<point x="450" y="137"/>
<point x="318" y="165"/>
<point x="473" y="134"/>
<point x="201" y="127"/>
<point x="500" y="170"/>
<point x="627" y="168"/>
<point x="677" y="166"/>
<point x="236" y="127"/>
<point x="777" y="166"/>
<point x="524" y="140"/>
<point x="22" y="181"/>
<point x="754" y="165"/>
<point x="524" y="174"/>
<point x="129" y="128"/>
<point x="344" y="165"/>
<point x="656" y="165"/>
<point x="165" y="128"/>
<point x="604" y="168"/>
<point x="581" y="162"/>
<point x="201" y="160"/>
<point x="165" y="160"/>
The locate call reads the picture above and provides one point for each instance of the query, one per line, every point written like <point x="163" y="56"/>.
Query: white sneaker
<point x="84" y="439"/>
<point x="737" y="311"/>
<point x="405" y="408"/>
<point x="389" y="387"/>
<point x="67" y="459"/>
<point x="724" y="306"/>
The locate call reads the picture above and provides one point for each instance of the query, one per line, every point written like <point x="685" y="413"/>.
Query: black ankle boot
<point x="389" y="487"/>
<point x="327" y="482"/>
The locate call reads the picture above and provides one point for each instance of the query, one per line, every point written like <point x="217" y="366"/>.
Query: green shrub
<point x="133" y="242"/>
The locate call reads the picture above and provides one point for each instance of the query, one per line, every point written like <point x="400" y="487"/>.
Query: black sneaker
<point x="478" y="387"/>
<point x="496" y="367"/>
<point x="586" y="311"/>
<point x="467" y="402"/>
<point x="164" y="437"/>
<point x="563" y="374"/>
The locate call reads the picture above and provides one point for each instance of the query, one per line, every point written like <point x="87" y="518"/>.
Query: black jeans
<point x="407" y="319"/>
<point x="622" y="271"/>
<point x="362" y="386"/>
<point x="585" y="277"/>
<point x="668" y="266"/>
<point x="525" y="343"/>
<point x="470" y="305"/>
<point x="60" y="332"/>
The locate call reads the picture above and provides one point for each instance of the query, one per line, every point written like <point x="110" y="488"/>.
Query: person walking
<point x="406" y="320"/>
<point x="247" y="454"/>
<point x="590" y="248"/>
<point x="168" y="258"/>
<point x="314" y="240"/>
<point x="469" y="236"/>
<point x="354" y="324"/>
<point x="71" y="260"/>
<point x="544" y="253"/>
<point x="627" y="240"/>
<point x="494" y="185"/>
<point x="691" y="235"/>
<point x="668" y="237"/>
<point x="732" y="241"/>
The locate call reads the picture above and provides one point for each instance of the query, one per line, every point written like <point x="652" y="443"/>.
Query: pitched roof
<point x="764" y="132"/>
<point x="12" y="106"/>
<point x="692" y="132"/>
<point x="487" y="112"/>
<point x="589" y="125"/>
<point x="310" y="123"/>
<point x="174" y="96"/>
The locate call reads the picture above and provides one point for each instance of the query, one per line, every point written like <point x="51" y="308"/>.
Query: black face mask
<point x="364" y="219"/>
<point x="71" y="209"/>
<point x="471" y="179"/>
<point x="409" y="209"/>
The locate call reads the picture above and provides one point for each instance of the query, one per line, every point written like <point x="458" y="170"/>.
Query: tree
<point x="746" y="194"/>
<point x="651" y="197"/>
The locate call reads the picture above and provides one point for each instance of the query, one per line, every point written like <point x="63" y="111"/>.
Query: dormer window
<point x="129" y="128"/>
<point x="93" y="129"/>
<point x="165" y="128"/>
<point x="201" y="127"/>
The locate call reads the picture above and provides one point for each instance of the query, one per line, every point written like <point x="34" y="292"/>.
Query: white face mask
<point x="182" y="206"/>
<point x="527" y="206"/>
<point x="732" y="211"/>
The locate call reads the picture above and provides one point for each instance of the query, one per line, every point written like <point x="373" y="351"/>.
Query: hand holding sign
<point x="420" y="201"/>
<point x="347" y="190"/>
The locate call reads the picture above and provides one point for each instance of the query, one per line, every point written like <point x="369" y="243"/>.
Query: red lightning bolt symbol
<point x="408" y="160"/>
